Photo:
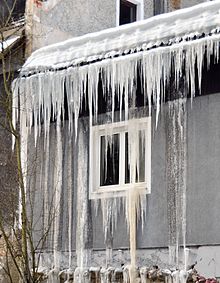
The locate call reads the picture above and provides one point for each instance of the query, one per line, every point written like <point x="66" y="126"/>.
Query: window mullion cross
<point x="98" y="164"/>
<point x="122" y="159"/>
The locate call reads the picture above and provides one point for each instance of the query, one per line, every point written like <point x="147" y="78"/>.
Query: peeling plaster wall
<point x="69" y="19"/>
<point x="189" y="3"/>
<point x="148" y="8"/>
<point x="74" y="18"/>
<point x="171" y="5"/>
<point x="207" y="258"/>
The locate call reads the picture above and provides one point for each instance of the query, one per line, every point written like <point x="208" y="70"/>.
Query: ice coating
<point x="42" y="95"/>
<point x="176" y="179"/>
<point x="41" y="98"/>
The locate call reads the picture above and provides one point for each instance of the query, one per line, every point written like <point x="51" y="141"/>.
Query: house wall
<point x="203" y="163"/>
<point x="171" y="5"/>
<point x="189" y="3"/>
<point x="203" y="171"/>
<point x="203" y="218"/>
<point x="202" y="196"/>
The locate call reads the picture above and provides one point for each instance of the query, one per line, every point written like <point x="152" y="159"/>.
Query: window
<point x="120" y="157"/>
<point x="129" y="11"/>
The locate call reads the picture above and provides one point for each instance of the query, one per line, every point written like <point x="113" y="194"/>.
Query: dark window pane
<point x="127" y="166"/>
<point x="128" y="12"/>
<point x="109" y="167"/>
<point x="140" y="167"/>
<point x="140" y="177"/>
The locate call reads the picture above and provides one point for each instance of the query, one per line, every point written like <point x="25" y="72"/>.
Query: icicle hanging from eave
<point x="42" y="95"/>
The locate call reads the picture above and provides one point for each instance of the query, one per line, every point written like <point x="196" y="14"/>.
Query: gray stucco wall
<point x="189" y="3"/>
<point x="69" y="19"/>
<point x="74" y="18"/>
<point x="183" y="3"/>
<point x="203" y="170"/>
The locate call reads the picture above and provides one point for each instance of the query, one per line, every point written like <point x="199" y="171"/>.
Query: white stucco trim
<point x="140" y="9"/>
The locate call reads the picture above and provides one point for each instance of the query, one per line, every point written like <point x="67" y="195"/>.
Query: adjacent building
<point x="12" y="47"/>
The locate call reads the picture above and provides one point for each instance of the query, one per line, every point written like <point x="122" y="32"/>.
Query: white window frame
<point x="140" y="9"/>
<point x="97" y="191"/>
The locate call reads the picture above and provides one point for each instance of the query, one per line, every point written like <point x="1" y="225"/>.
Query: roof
<point x="11" y="34"/>
<point x="182" y="25"/>
<point x="157" y="47"/>
<point x="8" y="42"/>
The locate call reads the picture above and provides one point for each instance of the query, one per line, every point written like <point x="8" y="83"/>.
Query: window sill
<point x="118" y="190"/>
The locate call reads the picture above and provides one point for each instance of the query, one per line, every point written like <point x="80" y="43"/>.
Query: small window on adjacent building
<point x="120" y="157"/>
<point x="129" y="11"/>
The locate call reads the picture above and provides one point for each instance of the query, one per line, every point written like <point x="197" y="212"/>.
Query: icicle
<point x="23" y="127"/>
<point x="45" y="186"/>
<point x="57" y="195"/>
<point x="113" y="90"/>
<point x="93" y="79"/>
<point x="118" y="77"/>
<point x="69" y="97"/>
<point x="70" y="200"/>
<point x="33" y="106"/>
<point x="23" y="141"/>
<point x="200" y="57"/>
<point x="15" y="107"/>
<point x="53" y="276"/>
<point x="176" y="176"/>
<point x="83" y="246"/>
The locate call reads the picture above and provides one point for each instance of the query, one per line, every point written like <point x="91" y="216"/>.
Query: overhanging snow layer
<point x="185" y="24"/>
<point x="8" y="42"/>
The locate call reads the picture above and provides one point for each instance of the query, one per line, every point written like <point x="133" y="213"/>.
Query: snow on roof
<point x="8" y="42"/>
<point x="199" y="19"/>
